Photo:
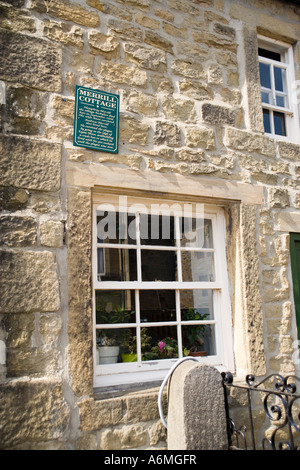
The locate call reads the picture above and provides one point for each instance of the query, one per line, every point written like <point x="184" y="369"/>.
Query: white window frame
<point x="287" y="63"/>
<point x="126" y="373"/>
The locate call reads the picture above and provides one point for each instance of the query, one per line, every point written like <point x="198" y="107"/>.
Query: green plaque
<point x="96" y="120"/>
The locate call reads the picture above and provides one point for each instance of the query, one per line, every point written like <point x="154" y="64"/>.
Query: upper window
<point x="160" y="288"/>
<point x="276" y="81"/>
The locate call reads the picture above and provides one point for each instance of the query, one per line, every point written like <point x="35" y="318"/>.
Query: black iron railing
<point x="275" y="428"/>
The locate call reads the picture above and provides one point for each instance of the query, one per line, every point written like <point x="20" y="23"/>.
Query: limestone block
<point x="68" y="11"/>
<point x="30" y="164"/>
<point x="278" y="197"/>
<point x="146" y="21"/>
<point x="289" y="151"/>
<point x="52" y="233"/>
<point x="16" y="20"/>
<point x="63" y="32"/>
<point x="217" y="114"/>
<point x="167" y="134"/>
<point x="189" y="69"/>
<point x="120" y="73"/>
<point x="25" y="110"/>
<point x="29" y="282"/>
<point x="125" y="30"/>
<point x="102" y="44"/>
<point x="242" y="140"/>
<point x="141" y="103"/>
<point x="200" y="137"/>
<point x="13" y="199"/>
<point x="179" y="109"/>
<point x="149" y="58"/>
<point x="125" y="438"/>
<point x="17" y="231"/>
<point x="32" y="411"/>
<point x="195" y="89"/>
<point x="213" y="40"/>
<point x="156" y="40"/>
<point x="30" y="61"/>
<point x="133" y="131"/>
<point x="196" y="414"/>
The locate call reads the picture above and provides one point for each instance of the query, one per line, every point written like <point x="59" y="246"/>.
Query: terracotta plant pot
<point x="198" y="354"/>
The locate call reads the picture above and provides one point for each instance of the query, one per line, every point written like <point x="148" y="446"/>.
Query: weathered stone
<point x="103" y="44"/>
<point x="192" y="156"/>
<point x="175" y="31"/>
<point x="138" y="102"/>
<point x="125" y="30"/>
<point x="189" y="69"/>
<point x="200" y="137"/>
<point x="212" y="40"/>
<point x="147" y="21"/>
<point x="195" y="89"/>
<point x="25" y="110"/>
<point x="154" y="39"/>
<point x="196" y="421"/>
<point x="13" y="199"/>
<point x="33" y="411"/>
<point x="179" y="109"/>
<point x="289" y="151"/>
<point x="29" y="282"/>
<point x="96" y="4"/>
<point x="167" y="134"/>
<point x="119" y="73"/>
<point x="224" y="30"/>
<point x="79" y="291"/>
<point x="133" y="131"/>
<point x="217" y="114"/>
<point x="30" y="61"/>
<point x="278" y="197"/>
<point x="128" y="437"/>
<point x="30" y="164"/>
<point x="63" y="110"/>
<point x="17" y="230"/>
<point x="64" y="33"/>
<point x="161" y="83"/>
<point x="242" y="140"/>
<point x="253" y="81"/>
<point x="82" y="62"/>
<point x="52" y="233"/>
<point x="152" y="59"/>
<point x="68" y="11"/>
<point x="16" y="20"/>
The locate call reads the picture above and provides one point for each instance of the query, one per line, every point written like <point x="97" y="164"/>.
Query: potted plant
<point x="109" y="340"/>
<point x="194" y="334"/>
<point x="160" y="349"/>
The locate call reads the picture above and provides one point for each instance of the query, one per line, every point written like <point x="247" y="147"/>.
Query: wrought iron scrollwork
<point x="281" y="404"/>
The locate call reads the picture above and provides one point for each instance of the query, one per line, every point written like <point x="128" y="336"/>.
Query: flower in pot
<point x="158" y="349"/>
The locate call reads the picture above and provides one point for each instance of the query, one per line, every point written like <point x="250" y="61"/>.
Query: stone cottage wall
<point x="190" y="117"/>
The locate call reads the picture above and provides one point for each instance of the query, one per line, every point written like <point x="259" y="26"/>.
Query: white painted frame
<point x="290" y="112"/>
<point x="122" y="373"/>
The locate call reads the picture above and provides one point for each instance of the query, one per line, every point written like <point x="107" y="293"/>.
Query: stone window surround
<point x="241" y="202"/>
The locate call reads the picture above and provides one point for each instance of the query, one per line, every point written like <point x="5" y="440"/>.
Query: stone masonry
<point x="190" y="111"/>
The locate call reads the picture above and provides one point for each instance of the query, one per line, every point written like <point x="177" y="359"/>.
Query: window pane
<point x="116" y="264"/>
<point x="279" y="123"/>
<point x="159" y="265"/>
<point x="196" y="304"/>
<point x="267" y="122"/>
<point x="280" y="101"/>
<point x="198" y="340"/>
<point x="116" y="227"/>
<point x="116" y="345"/>
<point x="159" y="343"/>
<point x="279" y="78"/>
<point x="128" y="345"/>
<point x="157" y="230"/>
<point x="269" y="54"/>
<point x="196" y="232"/>
<point x="265" y="97"/>
<point x="116" y="306"/>
<point x="197" y="267"/>
<point x="265" y="78"/>
<point x="157" y="305"/>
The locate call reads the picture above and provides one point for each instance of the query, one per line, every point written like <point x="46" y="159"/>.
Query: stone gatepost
<point x="196" y="410"/>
